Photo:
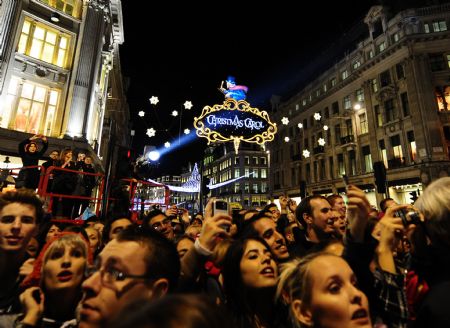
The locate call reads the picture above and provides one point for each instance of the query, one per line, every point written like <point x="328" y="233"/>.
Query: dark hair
<point x="151" y="215"/>
<point x="162" y="256"/>
<point x="79" y="230"/>
<point x="23" y="196"/>
<point x="248" y="228"/>
<point x="383" y="204"/>
<point x="44" y="228"/>
<point x="108" y="224"/>
<point x="174" y="311"/>
<point x="236" y="293"/>
<point x="305" y="207"/>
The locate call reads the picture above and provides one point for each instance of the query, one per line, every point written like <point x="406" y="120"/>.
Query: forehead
<point x="18" y="209"/>
<point x="325" y="267"/>
<point x="130" y="254"/>
<point x="319" y="203"/>
<point x="158" y="218"/>
<point x="264" y="224"/>
<point x="254" y="245"/>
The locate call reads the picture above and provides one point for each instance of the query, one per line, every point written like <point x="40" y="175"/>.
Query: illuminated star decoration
<point x="141" y="113"/>
<point x="306" y="153"/>
<point x="167" y="144"/>
<point x="154" y="100"/>
<point x="300" y="125"/>
<point x="285" y="120"/>
<point x="175" y="113"/>
<point x="325" y="127"/>
<point x="187" y="131"/>
<point x="286" y="139"/>
<point x="151" y="132"/>
<point x="317" y="116"/>
<point x="321" y="142"/>
<point x="187" y="104"/>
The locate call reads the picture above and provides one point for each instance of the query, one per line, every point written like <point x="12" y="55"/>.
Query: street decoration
<point x="234" y="120"/>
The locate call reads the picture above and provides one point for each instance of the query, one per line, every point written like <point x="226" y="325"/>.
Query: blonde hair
<point x="295" y="283"/>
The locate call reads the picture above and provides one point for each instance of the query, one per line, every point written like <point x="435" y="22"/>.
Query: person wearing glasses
<point x="161" y="223"/>
<point x="139" y="264"/>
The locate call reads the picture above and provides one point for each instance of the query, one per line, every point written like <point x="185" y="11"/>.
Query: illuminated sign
<point x="235" y="121"/>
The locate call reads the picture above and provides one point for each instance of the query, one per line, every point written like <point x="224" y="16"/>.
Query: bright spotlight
<point x="153" y="155"/>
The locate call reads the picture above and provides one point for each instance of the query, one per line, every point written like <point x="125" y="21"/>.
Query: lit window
<point x="344" y="75"/>
<point x="364" y="124"/>
<point x="30" y="107"/>
<point x="70" y="7"/>
<point x="44" y="43"/>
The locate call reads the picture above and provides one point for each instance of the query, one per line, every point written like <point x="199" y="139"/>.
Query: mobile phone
<point x="345" y="180"/>
<point x="220" y="206"/>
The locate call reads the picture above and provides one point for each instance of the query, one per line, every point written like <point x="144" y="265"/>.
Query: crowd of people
<point x="322" y="263"/>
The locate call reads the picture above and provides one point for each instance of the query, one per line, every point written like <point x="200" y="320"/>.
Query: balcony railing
<point x="347" y="139"/>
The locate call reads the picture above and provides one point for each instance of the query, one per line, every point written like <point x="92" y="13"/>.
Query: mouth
<point x="268" y="272"/>
<point x="13" y="240"/>
<point x="360" y="314"/>
<point x="282" y="248"/>
<point x="65" y="276"/>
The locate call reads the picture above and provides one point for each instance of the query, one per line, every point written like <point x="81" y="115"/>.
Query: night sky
<point x="271" y="49"/>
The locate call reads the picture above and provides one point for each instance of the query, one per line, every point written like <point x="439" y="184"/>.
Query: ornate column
<point x="8" y="13"/>
<point x="95" y="22"/>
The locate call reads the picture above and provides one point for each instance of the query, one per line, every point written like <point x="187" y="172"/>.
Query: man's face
<point x="117" y="226"/>
<point x="101" y="299"/>
<point x="266" y="228"/>
<point x="322" y="216"/>
<point x="275" y="213"/>
<point x="17" y="226"/>
<point x="162" y="224"/>
<point x="54" y="155"/>
<point x="339" y="205"/>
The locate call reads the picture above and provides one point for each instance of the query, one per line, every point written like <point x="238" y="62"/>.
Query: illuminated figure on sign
<point x="237" y="92"/>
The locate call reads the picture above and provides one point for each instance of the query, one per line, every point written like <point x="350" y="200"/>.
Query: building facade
<point x="242" y="177"/>
<point x="60" y="76"/>
<point x="386" y="101"/>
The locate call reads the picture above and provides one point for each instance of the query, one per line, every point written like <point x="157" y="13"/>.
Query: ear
<point x="159" y="288"/>
<point x="307" y="218"/>
<point x="301" y="313"/>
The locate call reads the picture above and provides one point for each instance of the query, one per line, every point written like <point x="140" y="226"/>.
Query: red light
<point x="129" y="153"/>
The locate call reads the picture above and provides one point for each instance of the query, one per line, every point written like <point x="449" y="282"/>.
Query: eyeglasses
<point x="110" y="275"/>
<point x="159" y="225"/>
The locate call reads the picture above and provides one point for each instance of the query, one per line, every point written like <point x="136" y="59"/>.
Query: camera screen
<point x="221" y="205"/>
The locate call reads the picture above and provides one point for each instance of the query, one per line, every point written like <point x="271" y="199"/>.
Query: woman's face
<point x="258" y="269"/>
<point x="33" y="247"/>
<point x="93" y="235"/>
<point x="52" y="233"/>
<point x="64" y="268"/>
<point x="68" y="157"/>
<point x="32" y="148"/>
<point x="335" y="299"/>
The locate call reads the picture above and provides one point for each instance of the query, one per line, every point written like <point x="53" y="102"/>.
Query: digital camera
<point x="408" y="217"/>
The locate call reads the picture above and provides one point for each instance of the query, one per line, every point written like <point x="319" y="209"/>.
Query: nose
<point x="356" y="296"/>
<point x="17" y="224"/>
<point x="66" y="261"/>
<point x="266" y="258"/>
<point x="92" y="284"/>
